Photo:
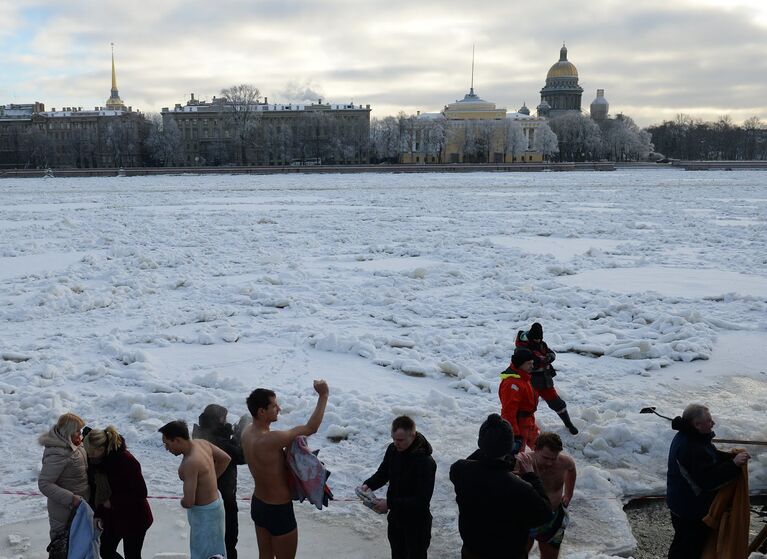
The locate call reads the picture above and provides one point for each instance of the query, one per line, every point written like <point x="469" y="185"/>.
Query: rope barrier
<point x="355" y="499"/>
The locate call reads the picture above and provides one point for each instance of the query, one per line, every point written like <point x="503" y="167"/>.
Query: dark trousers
<point x="409" y="535"/>
<point x="690" y="537"/>
<point x="131" y="546"/>
<point x="232" y="527"/>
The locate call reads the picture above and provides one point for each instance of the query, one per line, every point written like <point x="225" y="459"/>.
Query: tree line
<point x="689" y="138"/>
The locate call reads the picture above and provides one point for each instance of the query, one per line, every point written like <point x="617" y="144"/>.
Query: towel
<point x="307" y="475"/>
<point x="729" y="518"/>
<point x="206" y="530"/>
<point x="83" y="535"/>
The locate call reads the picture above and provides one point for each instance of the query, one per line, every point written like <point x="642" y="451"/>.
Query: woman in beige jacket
<point x="64" y="475"/>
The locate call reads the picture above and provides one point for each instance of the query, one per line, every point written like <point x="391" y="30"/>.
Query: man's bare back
<point x="199" y="471"/>
<point x="557" y="477"/>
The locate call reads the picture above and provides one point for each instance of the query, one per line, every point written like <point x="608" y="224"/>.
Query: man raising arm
<point x="264" y="450"/>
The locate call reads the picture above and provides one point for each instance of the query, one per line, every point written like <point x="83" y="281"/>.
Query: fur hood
<point x="54" y="439"/>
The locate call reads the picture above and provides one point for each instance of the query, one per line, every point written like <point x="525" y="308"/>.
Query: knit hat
<point x="521" y="355"/>
<point x="496" y="437"/>
<point x="535" y="332"/>
<point x="213" y="415"/>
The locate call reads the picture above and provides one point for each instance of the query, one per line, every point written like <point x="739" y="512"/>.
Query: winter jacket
<point x="497" y="508"/>
<point x="544" y="356"/>
<point x="129" y="513"/>
<point x="696" y="469"/>
<point x="410" y="475"/>
<point x="543" y="372"/>
<point x="64" y="474"/>
<point x="519" y="400"/>
<point x="222" y="435"/>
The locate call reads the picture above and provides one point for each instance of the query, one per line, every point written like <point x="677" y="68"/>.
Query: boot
<point x="565" y="417"/>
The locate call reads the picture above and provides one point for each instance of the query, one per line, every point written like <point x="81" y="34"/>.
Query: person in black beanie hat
<point x="497" y="508"/>
<point x="543" y="372"/>
<point x="213" y="428"/>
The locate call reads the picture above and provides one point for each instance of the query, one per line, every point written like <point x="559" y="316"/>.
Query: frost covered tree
<point x="546" y="141"/>
<point x="385" y="139"/>
<point x="433" y="136"/>
<point x="515" y="140"/>
<point x="622" y="140"/>
<point x="163" y="141"/>
<point x="241" y="109"/>
<point x="579" y="137"/>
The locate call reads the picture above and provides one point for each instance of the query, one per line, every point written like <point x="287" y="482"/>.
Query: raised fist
<point x="321" y="387"/>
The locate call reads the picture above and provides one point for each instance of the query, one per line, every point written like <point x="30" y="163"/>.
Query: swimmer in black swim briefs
<point x="278" y="520"/>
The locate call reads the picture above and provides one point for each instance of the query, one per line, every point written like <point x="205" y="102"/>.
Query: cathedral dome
<point x="563" y="68"/>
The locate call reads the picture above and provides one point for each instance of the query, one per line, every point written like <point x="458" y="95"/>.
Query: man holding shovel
<point x="696" y="470"/>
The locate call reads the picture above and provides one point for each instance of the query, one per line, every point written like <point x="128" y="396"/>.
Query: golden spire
<point x="114" y="76"/>
<point x="114" y="101"/>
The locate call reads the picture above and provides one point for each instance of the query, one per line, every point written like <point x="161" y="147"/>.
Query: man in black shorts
<point x="272" y="507"/>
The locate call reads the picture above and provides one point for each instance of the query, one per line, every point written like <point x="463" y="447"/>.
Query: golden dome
<point x="563" y="68"/>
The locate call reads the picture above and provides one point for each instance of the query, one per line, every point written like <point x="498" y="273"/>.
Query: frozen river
<point x="135" y="301"/>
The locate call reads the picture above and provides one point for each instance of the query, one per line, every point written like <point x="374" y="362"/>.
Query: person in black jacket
<point x="409" y="469"/>
<point x="696" y="470"/>
<point x="497" y="508"/>
<point x="213" y="428"/>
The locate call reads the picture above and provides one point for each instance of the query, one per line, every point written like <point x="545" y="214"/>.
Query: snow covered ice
<point x="135" y="301"/>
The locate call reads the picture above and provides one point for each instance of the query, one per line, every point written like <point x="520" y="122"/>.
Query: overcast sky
<point x="654" y="59"/>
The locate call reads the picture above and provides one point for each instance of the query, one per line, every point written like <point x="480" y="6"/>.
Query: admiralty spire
<point x="114" y="101"/>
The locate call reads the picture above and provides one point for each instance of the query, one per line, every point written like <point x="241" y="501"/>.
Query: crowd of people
<point x="512" y="492"/>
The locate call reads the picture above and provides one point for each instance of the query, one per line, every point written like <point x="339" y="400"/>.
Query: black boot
<point x="565" y="417"/>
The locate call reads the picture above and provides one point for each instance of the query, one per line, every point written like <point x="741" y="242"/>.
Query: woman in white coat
<point x="64" y="475"/>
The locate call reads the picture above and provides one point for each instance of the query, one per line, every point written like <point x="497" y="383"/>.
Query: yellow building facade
<point x="472" y="130"/>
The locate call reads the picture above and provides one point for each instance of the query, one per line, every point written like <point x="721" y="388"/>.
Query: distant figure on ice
<point x="519" y="400"/>
<point x="543" y="372"/>
<point x="696" y="470"/>
<point x="63" y="477"/>
<point x="213" y="428"/>
<point x="409" y="470"/>
<point x="272" y="508"/>
<point x="496" y="508"/>
<point x="557" y="473"/>
<point x="118" y="494"/>
<point x="202" y="465"/>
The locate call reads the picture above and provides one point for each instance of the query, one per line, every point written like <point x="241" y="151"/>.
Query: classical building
<point x="561" y="94"/>
<point x="472" y="130"/>
<point x="112" y="136"/>
<point x="220" y="132"/>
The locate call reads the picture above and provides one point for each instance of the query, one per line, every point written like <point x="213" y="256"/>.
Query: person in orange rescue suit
<point x="543" y="372"/>
<point x="519" y="399"/>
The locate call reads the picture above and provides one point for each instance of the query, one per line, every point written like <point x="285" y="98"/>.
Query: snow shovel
<point x="652" y="410"/>
<point x="728" y="441"/>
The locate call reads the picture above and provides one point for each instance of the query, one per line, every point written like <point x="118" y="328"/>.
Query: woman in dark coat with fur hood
<point x="119" y="495"/>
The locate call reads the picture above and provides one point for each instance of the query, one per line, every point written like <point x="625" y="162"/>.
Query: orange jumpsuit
<point x="519" y="401"/>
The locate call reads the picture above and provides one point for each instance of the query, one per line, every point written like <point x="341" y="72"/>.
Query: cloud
<point x="654" y="58"/>
<point x="299" y="92"/>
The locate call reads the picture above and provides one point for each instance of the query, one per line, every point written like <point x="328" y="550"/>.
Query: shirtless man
<point x="272" y="508"/>
<point x="557" y="473"/>
<point x="201" y="466"/>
